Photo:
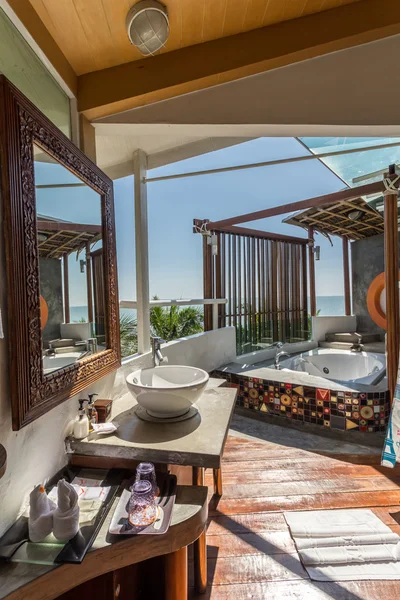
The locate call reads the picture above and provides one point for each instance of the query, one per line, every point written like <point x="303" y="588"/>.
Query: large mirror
<point x="63" y="320"/>
<point x="71" y="273"/>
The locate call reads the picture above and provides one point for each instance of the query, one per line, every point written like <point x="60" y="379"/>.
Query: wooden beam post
<point x="89" y="283"/>
<point x="87" y="134"/>
<point x="346" y="276"/>
<point x="67" y="315"/>
<point x="176" y="574"/>
<point x="207" y="283"/>
<point x="304" y="279"/>
<point x="200" y="545"/>
<point x="142" y="251"/>
<point x="392" y="289"/>
<point x="311" y="268"/>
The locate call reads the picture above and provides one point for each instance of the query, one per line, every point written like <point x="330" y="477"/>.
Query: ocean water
<point x="329" y="306"/>
<point x="78" y="313"/>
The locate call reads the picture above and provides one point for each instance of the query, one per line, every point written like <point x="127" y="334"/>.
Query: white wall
<point x="323" y="325"/>
<point x="37" y="451"/>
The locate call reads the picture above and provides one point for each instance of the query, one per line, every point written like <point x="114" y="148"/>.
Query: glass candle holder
<point x="145" y="472"/>
<point x="142" y="507"/>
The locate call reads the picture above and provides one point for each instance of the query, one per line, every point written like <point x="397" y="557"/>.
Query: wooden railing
<point x="263" y="276"/>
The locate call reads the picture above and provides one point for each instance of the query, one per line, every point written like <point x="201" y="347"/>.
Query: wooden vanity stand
<point x="187" y="448"/>
<point x="108" y="571"/>
<point x="197" y="444"/>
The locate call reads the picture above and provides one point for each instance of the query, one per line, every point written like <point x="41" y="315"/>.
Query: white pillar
<point x="142" y="251"/>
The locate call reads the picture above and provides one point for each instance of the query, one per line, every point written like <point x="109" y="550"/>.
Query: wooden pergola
<point x="59" y="239"/>
<point x="352" y="219"/>
<point x="329" y="214"/>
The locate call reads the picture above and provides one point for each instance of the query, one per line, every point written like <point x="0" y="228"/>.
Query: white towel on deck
<point x="335" y="523"/>
<point x="345" y="545"/>
<point x="66" y="516"/>
<point x="347" y="540"/>
<point x="346" y="555"/>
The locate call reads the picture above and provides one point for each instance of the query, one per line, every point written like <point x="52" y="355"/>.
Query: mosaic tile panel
<point x="344" y="411"/>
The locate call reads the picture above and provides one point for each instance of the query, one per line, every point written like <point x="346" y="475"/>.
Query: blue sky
<point x="175" y="253"/>
<point x="78" y="204"/>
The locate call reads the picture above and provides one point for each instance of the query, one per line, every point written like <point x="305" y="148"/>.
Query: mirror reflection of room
<point x="69" y="233"/>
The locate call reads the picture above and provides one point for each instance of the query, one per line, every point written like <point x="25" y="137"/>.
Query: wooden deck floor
<point x="250" y="552"/>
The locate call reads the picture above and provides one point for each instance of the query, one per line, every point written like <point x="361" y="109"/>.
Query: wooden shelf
<point x="39" y="582"/>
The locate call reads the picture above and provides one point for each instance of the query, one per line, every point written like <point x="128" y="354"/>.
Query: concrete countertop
<point x="198" y="441"/>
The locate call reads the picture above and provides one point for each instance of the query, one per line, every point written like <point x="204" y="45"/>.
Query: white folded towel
<point x="349" y="540"/>
<point x="347" y="555"/>
<point x="334" y="523"/>
<point x="40" y="514"/>
<point x="345" y="545"/>
<point x="66" y="516"/>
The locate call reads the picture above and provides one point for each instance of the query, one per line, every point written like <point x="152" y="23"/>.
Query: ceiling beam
<point x="192" y="68"/>
<point x="41" y="41"/>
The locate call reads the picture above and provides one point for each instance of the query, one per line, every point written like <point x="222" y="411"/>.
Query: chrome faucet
<point x="156" y="350"/>
<point x="278" y="355"/>
<point x="92" y="345"/>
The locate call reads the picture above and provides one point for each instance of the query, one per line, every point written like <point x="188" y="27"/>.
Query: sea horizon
<point x="328" y="306"/>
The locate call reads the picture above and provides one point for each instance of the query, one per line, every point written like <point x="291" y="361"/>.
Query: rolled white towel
<point x="40" y="514"/>
<point x="66" y="515"/>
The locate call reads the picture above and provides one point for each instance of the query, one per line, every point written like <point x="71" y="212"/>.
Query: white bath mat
<point x="342" y="545"/>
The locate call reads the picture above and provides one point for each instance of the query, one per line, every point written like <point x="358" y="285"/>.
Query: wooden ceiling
<point x="92" y="36"/>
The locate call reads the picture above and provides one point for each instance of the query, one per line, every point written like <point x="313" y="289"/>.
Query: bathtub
<point x="339" y="365"/>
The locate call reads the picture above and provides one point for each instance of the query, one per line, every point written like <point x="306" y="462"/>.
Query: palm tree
<point x="175" y="322"/>
<point x="128" y="335"/>
<point x="169" y="323"/>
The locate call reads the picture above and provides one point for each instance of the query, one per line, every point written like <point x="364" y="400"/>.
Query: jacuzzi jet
<point x="325" y="370"/>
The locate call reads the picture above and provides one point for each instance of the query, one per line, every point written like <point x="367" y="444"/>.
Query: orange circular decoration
<point x="374" y="300"/>
<point x="44" y="312"/>
<point x="367" y="412"/>
<point x="286" y="400"/>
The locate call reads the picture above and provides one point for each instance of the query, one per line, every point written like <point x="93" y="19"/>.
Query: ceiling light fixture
<point x="42" y="237"/>
<point x="148" y="26"/>
<point x="355" y="215"/>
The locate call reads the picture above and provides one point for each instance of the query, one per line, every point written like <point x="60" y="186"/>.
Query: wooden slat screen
<point x="265" y="283"/>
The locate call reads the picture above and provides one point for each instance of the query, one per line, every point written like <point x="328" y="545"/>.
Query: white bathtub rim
<point x="268" y="372"/>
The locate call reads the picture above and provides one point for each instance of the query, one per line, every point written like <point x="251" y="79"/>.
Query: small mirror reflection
<point x="69" y="234"/>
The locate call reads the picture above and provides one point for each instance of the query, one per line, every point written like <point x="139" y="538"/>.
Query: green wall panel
<point x="22" y="67"/>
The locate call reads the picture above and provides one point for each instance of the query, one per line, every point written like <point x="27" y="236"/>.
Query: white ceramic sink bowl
<point x="167" y="391"/>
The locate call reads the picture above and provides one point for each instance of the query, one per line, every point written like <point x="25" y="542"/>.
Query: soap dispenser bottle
<point x="93" y="416"/>
<point x="81" y="425"/>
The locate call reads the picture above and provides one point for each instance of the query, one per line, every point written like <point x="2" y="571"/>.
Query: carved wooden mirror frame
<point x="32" y="393"/>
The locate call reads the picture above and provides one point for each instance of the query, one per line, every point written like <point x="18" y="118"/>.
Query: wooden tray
<point x="164" y="502"/>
